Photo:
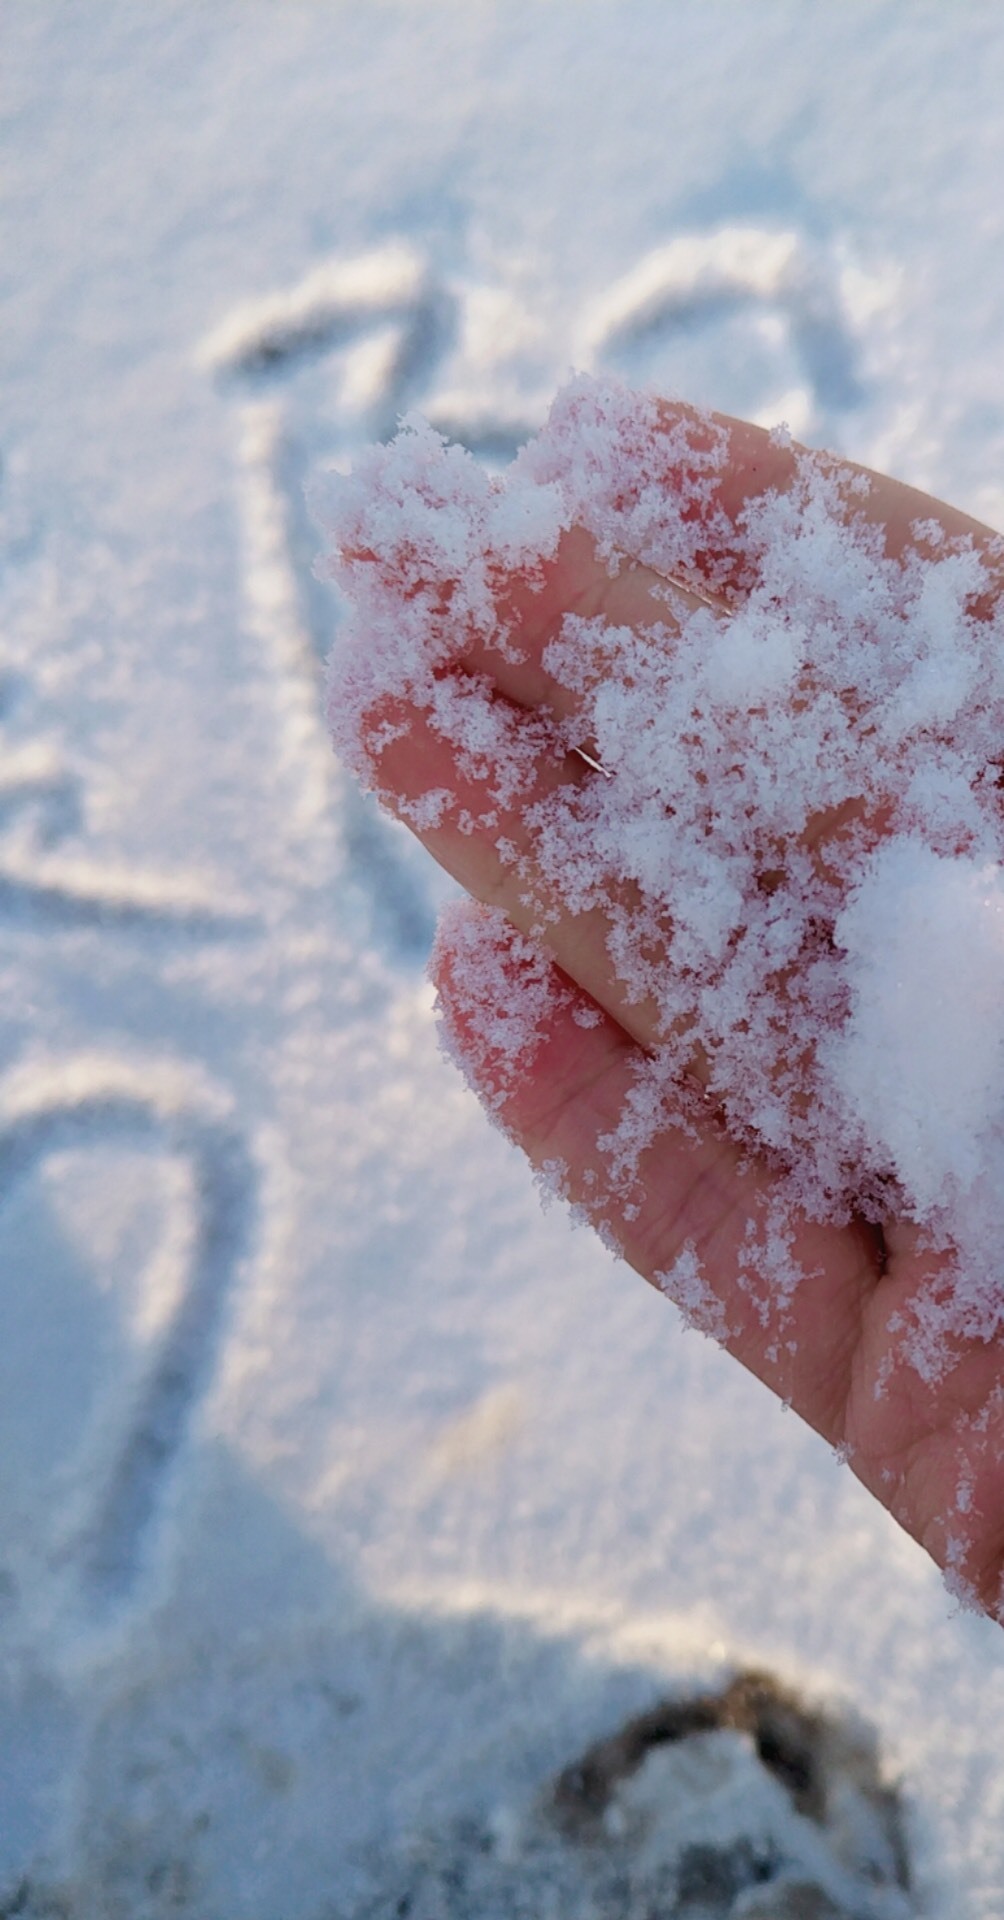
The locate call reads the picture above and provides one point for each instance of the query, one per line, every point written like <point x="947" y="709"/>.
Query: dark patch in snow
<point x="617" y="1838"/>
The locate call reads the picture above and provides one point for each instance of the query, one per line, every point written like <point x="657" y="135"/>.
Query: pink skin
<point x="836" y="1358"/>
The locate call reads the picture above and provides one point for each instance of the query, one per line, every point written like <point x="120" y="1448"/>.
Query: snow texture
<point x="795" y="825"/>
<point x="347" y="1500"/>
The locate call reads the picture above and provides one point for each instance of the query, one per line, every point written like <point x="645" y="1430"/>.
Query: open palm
<point x="931" y="1450"/>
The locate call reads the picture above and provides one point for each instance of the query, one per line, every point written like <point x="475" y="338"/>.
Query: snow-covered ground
<point x="345" y="1498"/>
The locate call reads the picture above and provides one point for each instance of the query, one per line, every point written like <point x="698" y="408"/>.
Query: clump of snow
<point x="684" y="1283"/>
<point x="504" y="990"/>
<point x="920" y="1059"/>
<point x="792" y="814"/>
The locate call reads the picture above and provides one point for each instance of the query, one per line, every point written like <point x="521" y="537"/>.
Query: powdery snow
<point x="346" y="1499"/>
<point x="795" y="824"/>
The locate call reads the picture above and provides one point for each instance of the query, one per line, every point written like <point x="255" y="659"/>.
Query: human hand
<point x="560" y="1074"/>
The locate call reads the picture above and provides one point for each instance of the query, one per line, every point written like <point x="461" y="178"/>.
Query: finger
<point x="482" y="830"/>
<point x="578" y="582"/>
<point x="748" y="463"/>
<point x="656" y="503"/>
<point x="757" y="463"/>
<point x="675" y="487"/>
<point x="925" y="1416"/>
<point x="558" y="1075"/>
<point x="530" y="610"/>
<point x="478" y="812"/>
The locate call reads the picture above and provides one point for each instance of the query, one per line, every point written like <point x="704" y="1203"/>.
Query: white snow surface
<point x="344" y="1496"/>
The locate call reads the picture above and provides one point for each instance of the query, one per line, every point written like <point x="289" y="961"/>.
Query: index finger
<point x="661" y="517"/>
